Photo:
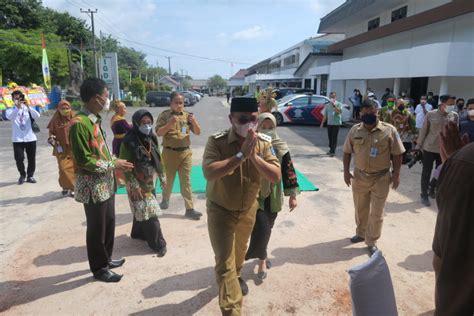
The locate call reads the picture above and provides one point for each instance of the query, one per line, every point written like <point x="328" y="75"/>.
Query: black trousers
<point x="356" y="112"/>
<point x="261" y="233"/>
<point x="333" y="131"/>
<point x="149" y="230"/>
<point x="19" y="152"/>
<point x="428" y="159"/>
<point x="100" y="232"/>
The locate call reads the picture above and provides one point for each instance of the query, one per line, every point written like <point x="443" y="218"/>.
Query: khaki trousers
<point x="370" y="193"/>
<point x="181" y="162"/>
<point x="229" y="232"/>
<point x="66" y="172"/>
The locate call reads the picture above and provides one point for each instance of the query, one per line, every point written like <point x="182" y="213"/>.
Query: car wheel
<point x="278" y="118"/>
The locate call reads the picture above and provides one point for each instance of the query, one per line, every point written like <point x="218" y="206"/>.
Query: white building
<point x="413" y="45"/>
<point x="237" y="80"/>
<point x="279" y="70"/>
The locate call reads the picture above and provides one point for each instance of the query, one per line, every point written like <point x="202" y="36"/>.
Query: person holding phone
<point x="23" y="137"/>
<point x="175" y="126"/>
<point x="333" y="116"/>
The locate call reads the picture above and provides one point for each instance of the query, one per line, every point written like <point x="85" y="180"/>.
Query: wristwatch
<point x="240" y="155"/>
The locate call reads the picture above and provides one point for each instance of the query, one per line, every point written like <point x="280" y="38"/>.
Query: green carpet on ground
<point x="198" y="183"/>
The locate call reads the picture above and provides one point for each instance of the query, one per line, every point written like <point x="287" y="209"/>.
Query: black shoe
<point x="432" y="193"/>
<point x="328" y="153"/>
<point x="357" y="239"/>
<point x="262" y="275"/>
<point x="105" y="275"/>
<point x="268" y="263"/>
<point x="116" y="263"/>
<point x="21" y="180"/>
<point x="162" y="252"/>
<point x="64" y="192"/>
<point x="71" y="193"/>
<point x="243" y="287"/>
<point x="31" y="180"/>
<point x="164" y="205"/>
<point x="425" y="201"/>
<point x="193" y="214"/>
<point x="372" y="250"/>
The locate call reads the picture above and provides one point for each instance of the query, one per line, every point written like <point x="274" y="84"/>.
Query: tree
<point x="24" y="14"/>
<point x="138" y="88"/>
<point x="217" y="82"/>
<point x="21" y="57"/>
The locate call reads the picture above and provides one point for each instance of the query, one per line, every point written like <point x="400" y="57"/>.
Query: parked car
<point x="197" y="95"/>
<point x="305" y="109"/>
<point x="192" y="98"/>
<point x="283" y="92"/>
<point x="158" y="98"/>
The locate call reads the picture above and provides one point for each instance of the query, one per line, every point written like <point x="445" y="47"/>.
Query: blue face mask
<point x="369" y="119"/>
<point x="145" y="129"/>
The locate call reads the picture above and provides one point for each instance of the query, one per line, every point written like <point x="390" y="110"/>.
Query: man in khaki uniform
<point x="175" y="125"/>
<point x="376" y="146"/>
<point x="234" y="161"/>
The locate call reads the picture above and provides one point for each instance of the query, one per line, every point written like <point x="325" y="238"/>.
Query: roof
<point x="239" y="74"/>
<point x="169" y="79"/>
<point x="311" y="57"/>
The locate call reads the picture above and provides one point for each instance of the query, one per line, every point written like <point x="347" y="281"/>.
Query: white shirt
<point x="21" y="123"/>
<point x="420" y="115"/>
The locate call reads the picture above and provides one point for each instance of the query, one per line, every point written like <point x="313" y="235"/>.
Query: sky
<point x="240" y="32"/>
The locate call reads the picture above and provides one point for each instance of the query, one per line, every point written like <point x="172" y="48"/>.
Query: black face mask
<point x="460" y="106"/>
<point x="401" y="108"/>
<point x="368" y="119"/>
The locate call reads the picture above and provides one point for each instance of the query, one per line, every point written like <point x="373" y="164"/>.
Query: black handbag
<point x="34" y="125"/>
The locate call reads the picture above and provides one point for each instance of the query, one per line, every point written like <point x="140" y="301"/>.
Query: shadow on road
<point x="189" y="281"/>
<point x="124" y="246"/>
<point x="7" y="184"/>
<point x="418" y="263"/>
<point x="32" y="200"/>
<point x="23" y="292"/>
<point x="413" y="207"/>
<point x="326" y="252"/>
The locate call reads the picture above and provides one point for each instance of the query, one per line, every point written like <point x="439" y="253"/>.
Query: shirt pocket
<point x="358" y="145"/>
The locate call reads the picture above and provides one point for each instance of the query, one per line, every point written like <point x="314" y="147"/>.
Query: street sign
<point x="108" y="70"/>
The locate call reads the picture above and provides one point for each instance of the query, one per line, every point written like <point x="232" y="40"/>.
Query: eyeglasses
<point x="247" y="119"/>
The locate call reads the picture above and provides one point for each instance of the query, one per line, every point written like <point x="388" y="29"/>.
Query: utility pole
<point x="169" y="65"/>
<point x="89" y="11"/>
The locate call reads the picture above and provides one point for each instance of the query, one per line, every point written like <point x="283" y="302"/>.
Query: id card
<point x="373" y="152"/>
<point x="184" y="129"/>
<point x="59" y="149"/>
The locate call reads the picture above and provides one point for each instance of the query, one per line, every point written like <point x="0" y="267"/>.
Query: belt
<point x="119" y="136"/>
<point x="376" y="173"/>
<point x="177" y="148"/>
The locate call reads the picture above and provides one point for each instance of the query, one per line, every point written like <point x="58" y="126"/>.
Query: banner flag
<point x="45" y="64"/>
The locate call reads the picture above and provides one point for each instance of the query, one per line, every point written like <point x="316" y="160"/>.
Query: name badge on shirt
<point x="184" y="129"/>
<point x="373" y="152"/>
<point x="59" y="149"/>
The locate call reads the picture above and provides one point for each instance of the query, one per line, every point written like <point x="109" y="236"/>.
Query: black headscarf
<point x="136" y="140"/>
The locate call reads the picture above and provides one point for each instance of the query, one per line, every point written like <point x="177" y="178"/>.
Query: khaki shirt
<point x="238" y="190"/>
<point x="429" y="133"/>
<point x="178" y="135"/>
<point x="372" y="149"/>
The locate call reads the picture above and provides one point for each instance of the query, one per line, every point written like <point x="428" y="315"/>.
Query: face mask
<point x="450" y="108"/>
<point x="243" y="129"/>
<point x="401" y="108"/>
<point x="268" y="132"/>
<point x="65" y="112"/>
<point x="460" y="106"/>
<point x="145" y="129"/>
<point x="106" y="105"/>
<point x="369" y="119"/>
<point x="470" y="112"/>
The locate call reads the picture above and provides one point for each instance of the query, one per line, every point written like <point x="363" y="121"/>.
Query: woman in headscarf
<point x="140" y="146"/>
<point x="58" y="138"/>
<point x="119" y="126"/>
<point x="271" y="196"/>
<point x="267" y="101"/>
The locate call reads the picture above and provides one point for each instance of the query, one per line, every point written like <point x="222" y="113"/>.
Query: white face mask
<point x="243" y="129"/>
<point x="470" y="112"/>
<point x="145" y="129"/>
<point x="450" y="108"/>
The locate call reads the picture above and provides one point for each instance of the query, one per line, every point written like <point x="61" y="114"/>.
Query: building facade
<point x="417" y="46"/>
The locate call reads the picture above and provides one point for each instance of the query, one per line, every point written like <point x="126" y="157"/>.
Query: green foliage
<point x="76" y="105"/>
<point x="26" y="14"/>
<point x="217" y="82"/>
<point x="138" y="88"/>
<point x="21" y="57"/>
<point x="162" y="87"/>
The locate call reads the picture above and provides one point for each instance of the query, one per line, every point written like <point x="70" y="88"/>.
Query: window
<point x="399" y="14"/>
<point x="289" y="60"/>
<point x="303" y="101"/>
<point x="315" y="101"/>
<point x="373" y="24"/>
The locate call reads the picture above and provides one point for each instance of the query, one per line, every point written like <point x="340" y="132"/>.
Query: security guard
<point x="234" y="161"/>
<point x="175" y="125"/>
<point x="376" y="146"/>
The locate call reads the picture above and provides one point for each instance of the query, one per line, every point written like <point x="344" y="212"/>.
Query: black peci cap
<point x="242" y="104"/>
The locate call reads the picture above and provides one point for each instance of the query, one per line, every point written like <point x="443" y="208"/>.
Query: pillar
<point x="396" y="87"/>
<point x="443" y="87"/>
